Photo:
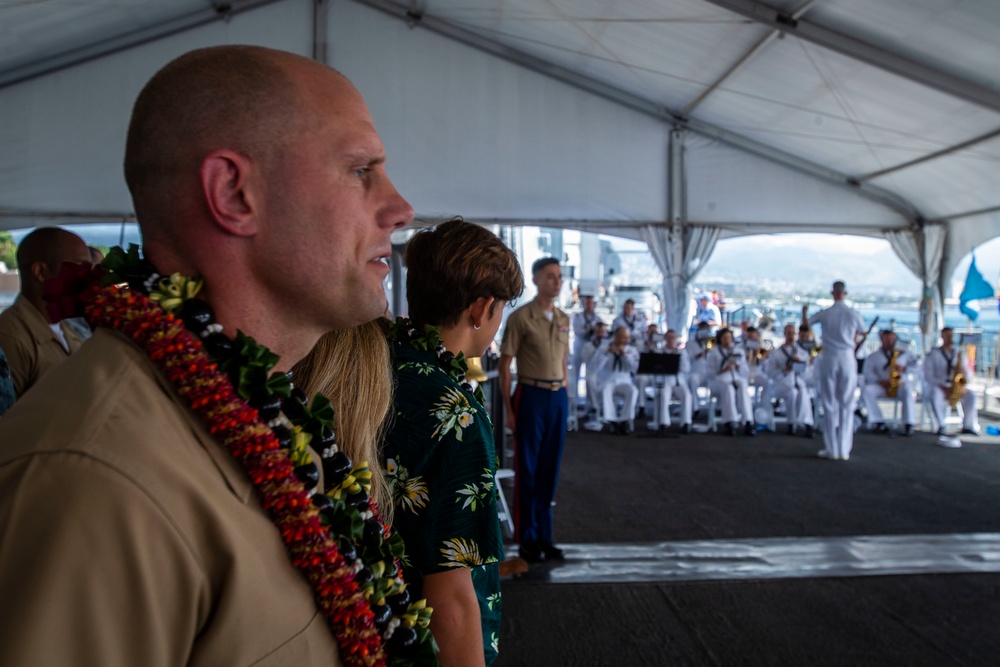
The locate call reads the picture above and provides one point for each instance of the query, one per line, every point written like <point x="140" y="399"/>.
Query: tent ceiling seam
<point x="219" y="11"/>
<point x="931" y="156"/>
<point x="742" y="61"/>
<point x="950" y="83"/>
<point x="841" y="99"/>
<point x="629" y="100"/>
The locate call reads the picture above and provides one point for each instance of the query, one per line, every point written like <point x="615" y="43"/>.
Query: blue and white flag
<point x="976" y="287"/>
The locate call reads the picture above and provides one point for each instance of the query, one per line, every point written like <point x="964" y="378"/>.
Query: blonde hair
<point x="353" y="368"/>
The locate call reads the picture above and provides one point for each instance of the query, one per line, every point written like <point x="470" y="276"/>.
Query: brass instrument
<point x="813" y="353"/>
<point x="957" y="382"/>
<point x="709" y="344"/>
<point x="475" y="371"/>
<point x="895" y="377"/>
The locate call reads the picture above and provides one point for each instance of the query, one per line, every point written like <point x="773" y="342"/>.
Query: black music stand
<point x="659" y="365"/>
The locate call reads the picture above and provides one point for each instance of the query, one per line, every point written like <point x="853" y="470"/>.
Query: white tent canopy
<point x="676" y="121"/>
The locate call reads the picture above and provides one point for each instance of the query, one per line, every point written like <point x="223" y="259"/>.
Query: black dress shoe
<point x="552" y="552"/>
<point x="791" y="430"/>
<point x="530" y="551"/>
<point x="750" y="429"/>
<point x="940" y="431"/>
<point x="733" y="429"/>
<point x="880" y="428"/>
<point x="685" y="428"/>
<point x="908" y="430"/>
<point x="809" y="431"/>
<point x="972" y="431"/>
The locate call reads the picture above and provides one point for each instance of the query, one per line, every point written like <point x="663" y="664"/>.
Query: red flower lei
<point x="179" y="355"/>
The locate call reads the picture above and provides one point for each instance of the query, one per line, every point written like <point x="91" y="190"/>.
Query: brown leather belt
<point x="551" y="385"/>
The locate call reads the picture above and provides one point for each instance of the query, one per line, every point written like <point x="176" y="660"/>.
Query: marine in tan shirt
<point x="537" y="336"/>
<point x="31" y="342"/>
<point x="129" y="535"/>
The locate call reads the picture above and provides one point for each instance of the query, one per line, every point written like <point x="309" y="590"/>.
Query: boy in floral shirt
<point x="440" y="455"/>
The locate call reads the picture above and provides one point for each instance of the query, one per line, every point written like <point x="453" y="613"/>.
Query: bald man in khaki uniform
<point x="537" y="334"/>
<point x="32" y="343"/>
<point x="130" y="537"/>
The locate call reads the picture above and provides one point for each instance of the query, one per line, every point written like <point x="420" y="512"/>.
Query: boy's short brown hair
<point x="450" y="266"/>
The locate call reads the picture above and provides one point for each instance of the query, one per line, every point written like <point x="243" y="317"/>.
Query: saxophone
<point x="895" y="376"/>
<point x="957" y="382"/>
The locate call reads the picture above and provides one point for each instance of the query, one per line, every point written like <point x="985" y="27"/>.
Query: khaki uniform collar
<point x="38" y="324"/>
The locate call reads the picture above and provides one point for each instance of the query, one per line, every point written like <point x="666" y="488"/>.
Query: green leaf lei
<point x="345" y="507"/>
<point x="427" y="339"/>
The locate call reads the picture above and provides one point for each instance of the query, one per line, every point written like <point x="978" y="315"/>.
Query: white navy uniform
<point x="675" y="386"/>
<point x="644" y="382"/>
<point x="837" y="376"/>
<point x="636" y="325"/>
<point x="587" y="356"/>
<point x="583" y="330"/>
<point x="787" y="367"/>
<point x="757" y="375"/>
<point x="698" y="376"/>
<point x="810" y="374"/>
<point x="730" y="387"/>
<point x="876" y="369"/>
<point x="939" y="369"/>
<point x="614" y="378"/>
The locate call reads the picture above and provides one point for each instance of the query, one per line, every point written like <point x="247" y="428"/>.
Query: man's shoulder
<point x="13" y="321"/>
<point x="521" y="312"/>
<point x="77" y="399"/>
<point x="108" y="403"/>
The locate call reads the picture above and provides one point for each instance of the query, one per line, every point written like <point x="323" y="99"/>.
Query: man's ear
<point x="479" y="311"/>
<point x="40" y="271"/>
<point x="226" y="185"/>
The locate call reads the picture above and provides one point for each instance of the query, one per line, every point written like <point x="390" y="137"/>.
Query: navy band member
<point x="940" y="367"/>
<point x="727" y="372"/>
<point x="837" y="372"/>
<point x="787" y="367"/>
<point x="877" y="370"/>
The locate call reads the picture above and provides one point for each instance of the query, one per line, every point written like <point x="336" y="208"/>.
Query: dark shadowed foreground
<point x="683" y="512"/>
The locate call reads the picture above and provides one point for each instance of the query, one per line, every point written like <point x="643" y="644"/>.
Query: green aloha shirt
<point x="441" y="464"/>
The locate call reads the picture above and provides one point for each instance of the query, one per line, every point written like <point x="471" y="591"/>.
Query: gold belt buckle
<point x="555" y="385"/>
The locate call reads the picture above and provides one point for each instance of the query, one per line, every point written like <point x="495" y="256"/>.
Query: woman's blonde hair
<point x="353" y="368"/>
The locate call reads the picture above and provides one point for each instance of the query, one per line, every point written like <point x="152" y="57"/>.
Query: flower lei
<point x="404" y="330"/>
<point x="336" y="539"/>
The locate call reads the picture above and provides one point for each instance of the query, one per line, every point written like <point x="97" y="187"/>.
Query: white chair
<point x="503" y="512"/>
<point x="571" y="394"/>
<point x="713" y="408"/>
<point x="954" y="416"/>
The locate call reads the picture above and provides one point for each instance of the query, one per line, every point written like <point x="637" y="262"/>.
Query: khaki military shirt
<point x="131" y="537"/>
<point x="30" y="345"/>
<point x="539" y="346"/>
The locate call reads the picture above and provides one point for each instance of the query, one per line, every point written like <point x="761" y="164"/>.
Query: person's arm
<point x="632" y="360"/>
<point x="565" y="371"/>
<point x="455" y="623"/>
<point x="503" y="369"/>
<point x="20" y="361"/>
<point x="930" y="372"/>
